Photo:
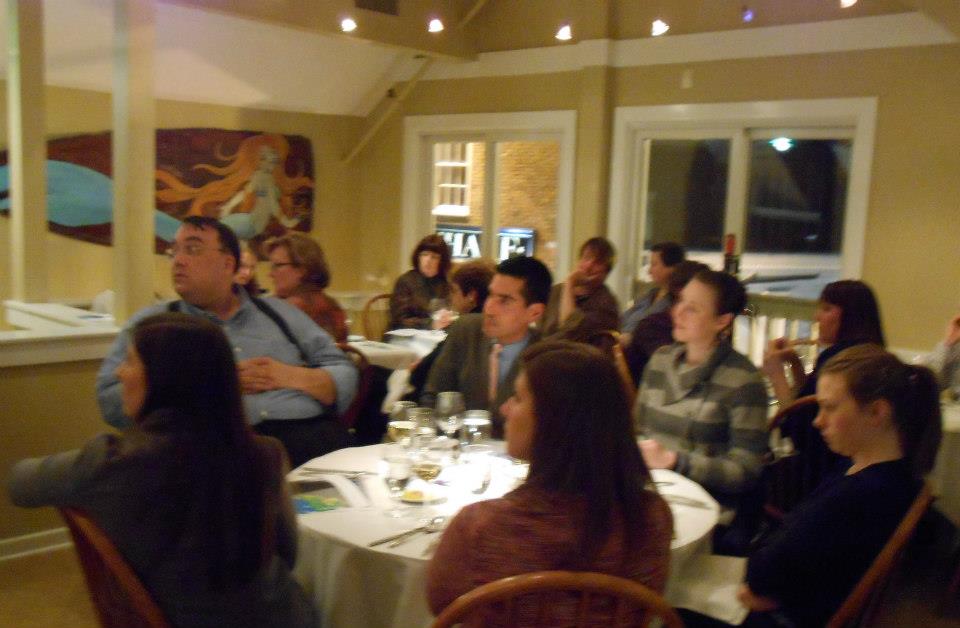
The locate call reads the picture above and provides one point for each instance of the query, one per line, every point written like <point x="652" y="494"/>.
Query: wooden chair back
<point x="789" y="479"/>
<point x="608" y="341"/>
<point x="349" y="416"/>
<point x="602" y="600"/>
<point x="860" y="607"/>
<point x="118" y="595"/>
<point x="376" y="316"/>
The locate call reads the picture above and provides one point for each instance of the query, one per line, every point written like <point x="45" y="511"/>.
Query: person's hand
<point x="953" y="331"/>
<point x="442" y="319"/>
<point x="777" y="353"/>
<point x="259" y="375"/>
<point x="755" y="602"/>
<point x="656" y="455"/>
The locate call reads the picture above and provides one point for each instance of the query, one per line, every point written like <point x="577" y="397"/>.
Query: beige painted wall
<point x="915" y="188"/>
<point x="79" y="270"/>
<point x="46" y="409"/>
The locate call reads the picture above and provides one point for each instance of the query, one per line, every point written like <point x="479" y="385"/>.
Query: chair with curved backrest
<point x="614" y="598"/>
<point x="350" y="415"/>
<point x="117" y="593"/>
<point x="376" y="316"/>
<point x="860" y="607"/>
<point x="789" y="479"/>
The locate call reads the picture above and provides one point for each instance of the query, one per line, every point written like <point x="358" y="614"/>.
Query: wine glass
<point x="476" y="459"/>
<point x="449" y="408"/>
<point x="442" y="313"/>
<point x="400" y="428"/>
<point x="423" y="430"/>
<point x="396" y="472"/>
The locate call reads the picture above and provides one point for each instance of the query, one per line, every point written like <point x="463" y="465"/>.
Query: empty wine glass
<point x="396" y="471"/>
<point x="476" y="427"/>
<point x="450" y="407"/>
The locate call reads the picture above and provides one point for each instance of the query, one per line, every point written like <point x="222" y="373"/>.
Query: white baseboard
<point x="18" y="546"/>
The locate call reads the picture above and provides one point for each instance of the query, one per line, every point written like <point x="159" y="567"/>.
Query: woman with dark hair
<point x="702" y="406"/>
<point x="427" y="280"/>
<point x="568" y="412"/>
<point x="300" y="275"/>
<point x="195" y="502"/>
<point x="885" y="416"/>
<point x="664" y="257"/>
<point x="847" y="315"/>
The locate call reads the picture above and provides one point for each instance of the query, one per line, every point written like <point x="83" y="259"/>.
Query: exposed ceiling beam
<point x="407" y="31"/>
<point x="947" y="12"/>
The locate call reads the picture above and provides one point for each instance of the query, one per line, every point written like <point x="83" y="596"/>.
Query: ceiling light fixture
<point x="747" y="14"/>
<point x="659" y="27"/>
<point x="348" y="25"/>
<point x="435" y="26"/>
<point x="846" y="4"/>
<point x="565" y="33"/>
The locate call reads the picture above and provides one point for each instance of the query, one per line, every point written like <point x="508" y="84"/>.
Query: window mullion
<point x="735" y="216"/>
<point x="491" y="180"/>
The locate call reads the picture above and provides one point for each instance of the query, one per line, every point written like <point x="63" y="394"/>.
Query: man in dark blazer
<point x="479" y="357"/>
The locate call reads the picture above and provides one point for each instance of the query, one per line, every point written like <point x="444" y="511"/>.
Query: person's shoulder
<point x="664" y="356"/>
<point x="736" y="360"/>
<point x="150" y="310"/>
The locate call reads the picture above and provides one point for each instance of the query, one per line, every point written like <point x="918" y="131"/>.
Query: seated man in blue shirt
<point x="479" y="357"/>
<point x="294" y="379"/>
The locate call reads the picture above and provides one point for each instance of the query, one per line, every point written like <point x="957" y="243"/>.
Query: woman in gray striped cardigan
<point x="702" y="406"/>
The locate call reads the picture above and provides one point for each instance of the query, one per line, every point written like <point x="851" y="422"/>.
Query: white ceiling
<point x="214" y="58"/>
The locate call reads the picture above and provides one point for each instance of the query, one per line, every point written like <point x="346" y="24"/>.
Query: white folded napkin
<point x="708" y="584"/>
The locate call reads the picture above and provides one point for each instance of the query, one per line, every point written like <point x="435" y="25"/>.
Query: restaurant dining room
<point x="411" y="313"/>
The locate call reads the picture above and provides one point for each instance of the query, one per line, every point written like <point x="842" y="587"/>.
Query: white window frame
<point x="419" y="134"/>
<point x="634" y="125"/>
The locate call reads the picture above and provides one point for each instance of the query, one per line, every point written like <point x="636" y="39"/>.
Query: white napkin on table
<point x="708" y="584"/>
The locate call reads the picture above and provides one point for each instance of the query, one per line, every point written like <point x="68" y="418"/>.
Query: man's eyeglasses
<point x="193" y="249"/>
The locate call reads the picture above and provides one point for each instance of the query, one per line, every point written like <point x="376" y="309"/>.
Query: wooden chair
<point x="350" y="415"/>
<point x="117" y="593"/>
<point x="604" y="600"/>
<point x="376" y="317"/>
<point x="608" y="341"/>
<point x="861" y="606"/>
<point x="789" y="479"/>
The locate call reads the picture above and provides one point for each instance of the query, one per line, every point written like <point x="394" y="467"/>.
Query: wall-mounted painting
<point x="260" y="184"/>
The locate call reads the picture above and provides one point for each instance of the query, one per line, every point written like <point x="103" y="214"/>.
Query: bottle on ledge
<point x="731" y="261"/>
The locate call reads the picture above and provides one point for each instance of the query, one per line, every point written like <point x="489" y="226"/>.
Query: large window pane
<point x="798" y="191"/>
<point x="687" y="192"/>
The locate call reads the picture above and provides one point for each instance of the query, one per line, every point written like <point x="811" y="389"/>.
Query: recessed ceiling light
<point x="564" y="33"/>
<point x="846" y="4"/>
<point x="747" y="14"/>
<point x="659" y="27"/>
<point x="348" y="25"/>
<point x="435" y="26"/>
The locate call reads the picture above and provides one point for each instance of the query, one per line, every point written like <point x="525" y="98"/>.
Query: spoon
<point x="436" y="524"/>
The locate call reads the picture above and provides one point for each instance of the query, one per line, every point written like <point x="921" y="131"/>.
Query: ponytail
<point x="912" y="392"/>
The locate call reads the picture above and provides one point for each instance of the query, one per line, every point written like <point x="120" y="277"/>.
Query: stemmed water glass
<point x="449" y="411"/>
<point x="423" y="429"/>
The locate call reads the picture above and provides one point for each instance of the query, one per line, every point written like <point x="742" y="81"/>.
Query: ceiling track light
<point x="348" y="25"/>
<point x="846" y="4"/>
<point x="747" y="14"/>
<point x="564" y="33"/>
<point x="435" y="25"/>
<point x="659" y="27"/>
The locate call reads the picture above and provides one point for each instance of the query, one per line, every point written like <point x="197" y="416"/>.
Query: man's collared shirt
<point x="509" y="354"/>
<point x="252" y="334"/>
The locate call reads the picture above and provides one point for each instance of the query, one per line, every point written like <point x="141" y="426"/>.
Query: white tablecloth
<point x="354" y="586"/>
<point x="403" y="347"/>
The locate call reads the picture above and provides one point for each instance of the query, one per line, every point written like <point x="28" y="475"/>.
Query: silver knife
<point x="394" y="537"/>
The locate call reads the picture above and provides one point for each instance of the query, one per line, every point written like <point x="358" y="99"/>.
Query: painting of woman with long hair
<point x="253" y="188"/>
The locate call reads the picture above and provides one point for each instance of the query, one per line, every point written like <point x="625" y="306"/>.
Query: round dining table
<point x="353" y="585"/>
